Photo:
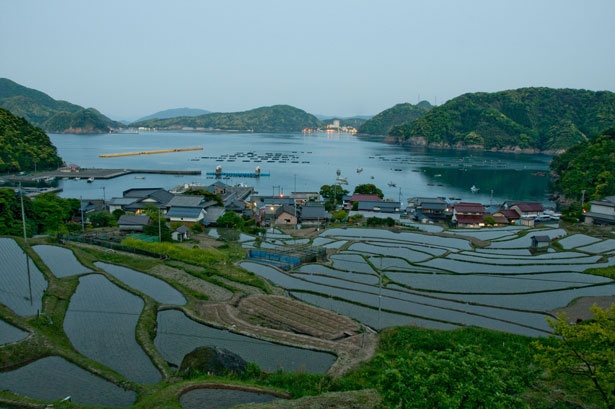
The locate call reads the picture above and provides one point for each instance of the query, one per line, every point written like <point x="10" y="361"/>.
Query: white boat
<point x="90" y="180"/>
<point x="474" y="189"/>
<point x="342" y="180"/>
<point x="359" y="170"/>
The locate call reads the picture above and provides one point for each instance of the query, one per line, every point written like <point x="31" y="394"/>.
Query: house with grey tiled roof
<point x="180" y="234"/>
<point x="132" y="223"/>
<point x="187" y="208"/>
<point x="380" y="206"/>
<point x="601" y="211"/>
<point x="314" y="214"/>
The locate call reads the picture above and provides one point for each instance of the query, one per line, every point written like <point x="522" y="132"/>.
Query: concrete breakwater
<point x="152" y="152"/>
<point x="93" y="173"/>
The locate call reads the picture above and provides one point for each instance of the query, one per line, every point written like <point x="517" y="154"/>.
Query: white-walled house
<point x="601" y="211"/>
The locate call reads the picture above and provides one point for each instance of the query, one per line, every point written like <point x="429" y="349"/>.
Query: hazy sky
<point x="131" y="58"/>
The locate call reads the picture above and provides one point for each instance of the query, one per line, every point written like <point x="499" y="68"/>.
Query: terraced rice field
<point x="22" y="284"/>
<point x="383" y="278"/>
<point x="60" y="260"/>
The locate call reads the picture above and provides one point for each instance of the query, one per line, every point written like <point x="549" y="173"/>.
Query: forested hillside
<point x="382" y="123"/>
<point x="24" y="147"/>
<point x="531" y="119"/>
<point x="277" y="118"/>
<point x="54" y="116"/>
<point x="588" y="166"/>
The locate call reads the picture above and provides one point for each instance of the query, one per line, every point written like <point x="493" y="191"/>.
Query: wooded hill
<point x="53" y="116"/>
<point x="382" y="123"/>
<point x="277" y="118"/>
<point x="588" y="166"/>
<point x="24" y="147"/>
<point x="530" y="119"/>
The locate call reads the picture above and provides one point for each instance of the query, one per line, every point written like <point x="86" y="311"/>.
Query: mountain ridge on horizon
<point x="468" y="121"/>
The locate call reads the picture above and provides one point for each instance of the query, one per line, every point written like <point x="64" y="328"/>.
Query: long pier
<point x="95" y="173"/>
<point x="153" y="152"/>
<point x="238" y="174"/>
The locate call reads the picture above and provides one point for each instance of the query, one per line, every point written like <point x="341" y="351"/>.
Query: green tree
<point x="339" y="215"/>
<point x="333" y="194"/>
<point x="585" y="350"/>
<point x="101" y="219"/>
<point x="369" y="189"/>
<point x="458" y="377"/>
<point x="10" y="212"/>
<point x="230" y="220"/>
<point x="158" y="225"/>
<point x="51" y="212"/>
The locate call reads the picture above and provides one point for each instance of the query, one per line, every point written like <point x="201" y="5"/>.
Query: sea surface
<point x="304" y="162"/>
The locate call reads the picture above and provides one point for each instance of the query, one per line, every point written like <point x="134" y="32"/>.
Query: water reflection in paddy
<point x="178" y="335"/>
<point x="53" y="378"/>
<point x="396" y="299"/>
<point x="370" y="316"/>
<point x="22" y="285"/>
<point x="61" y="261"/>
<point x="158" y="289"/>
<point x="101" y="321"/>
<point x="9" y="333"/>
<point x="496" y="284"/>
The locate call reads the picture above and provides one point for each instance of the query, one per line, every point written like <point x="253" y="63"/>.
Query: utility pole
<point x="25" y="240"/>
<point x="81" y="208"/>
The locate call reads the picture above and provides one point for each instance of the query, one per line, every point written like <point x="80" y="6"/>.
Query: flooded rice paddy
<point x="380" y="278"/>
<point x="158" y="289"/>
<point x="177" y="335"/>
<point x="22" y="284"/>
<point x="384" y="278"/>
<point x="53" y="379"/>
<point x="101" y="321"/>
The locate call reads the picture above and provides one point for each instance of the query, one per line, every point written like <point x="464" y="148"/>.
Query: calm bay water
<point x="305" y="162"/>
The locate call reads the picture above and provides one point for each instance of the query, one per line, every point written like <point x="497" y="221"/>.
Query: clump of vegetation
<point x="584" y="351"/>
<point x="24" y="147"/>
<point x="587" y="169"/>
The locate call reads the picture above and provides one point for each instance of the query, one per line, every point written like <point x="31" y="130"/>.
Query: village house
<point x="468" y="214"/>
<point x="350" y="201"/>
<point x="527" y="210"/>
<point x="180" y="234"/>
<point x="381" y="206"/>
<point x="601" y="211"/>
<point x="287" y="216"/>
<point x="314" y="214"/>
<point x="131" y="223"/>
<point x="187" y="208"/>
<point x="540" y="242"/>
<point x="503" y="217"/>
<point x="428" y="207"/>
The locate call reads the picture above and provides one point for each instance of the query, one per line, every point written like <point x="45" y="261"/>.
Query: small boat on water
<point x="392" y="184"/>
<point x="342" y="180"/>
<point x="90" y="179"/>
<point x="474" y="189"/>
<point x="359" y="170"/>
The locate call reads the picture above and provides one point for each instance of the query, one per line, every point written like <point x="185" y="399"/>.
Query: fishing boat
<point x="392" y="184"/>
<point x="474" y="189"/>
